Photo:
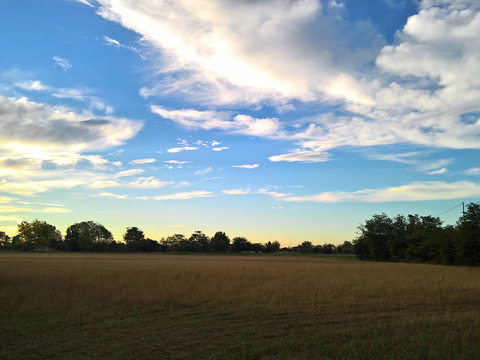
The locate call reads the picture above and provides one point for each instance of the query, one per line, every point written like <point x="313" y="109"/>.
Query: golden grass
<point x="246" y="298"/>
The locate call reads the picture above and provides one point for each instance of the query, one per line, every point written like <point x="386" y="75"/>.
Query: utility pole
<point x="463" y="206"/>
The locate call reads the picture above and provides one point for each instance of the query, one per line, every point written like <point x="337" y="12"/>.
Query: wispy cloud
<point x="472" y="171"/>
<point x="208" y="120"/>
<point x="237" y="191"/>
<point x="150" y="182"/>
<point x="252" y="166"/>
<point x="305" y="156"/>
<point x="181" y="196"/>
<point x="204" y="171"/>
<point x="62" y="62"/>
<point x="417" y="191"/>
<point x="86" y="2"/>
<point x="143" y="161"/>
<point x="128" y="173"/>
<point x="180" y="149"/>
<point x="111" y="195"/>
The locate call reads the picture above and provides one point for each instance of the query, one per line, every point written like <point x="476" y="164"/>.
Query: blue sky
<point x="286" y="120"/>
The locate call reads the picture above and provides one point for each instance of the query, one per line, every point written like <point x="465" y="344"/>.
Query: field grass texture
<point x="159" y="306"/>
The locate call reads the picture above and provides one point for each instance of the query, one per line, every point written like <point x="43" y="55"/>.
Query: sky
<point x="286" y="120"/>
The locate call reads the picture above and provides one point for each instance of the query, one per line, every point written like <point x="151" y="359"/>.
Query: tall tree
<point x="468" y="236"/>
<point x="199" y="242"/>
<point x="134" y="238"/>
<point x="220" y="242"/>
<point x="87" y="236"/>
<point x="38" y="234"/>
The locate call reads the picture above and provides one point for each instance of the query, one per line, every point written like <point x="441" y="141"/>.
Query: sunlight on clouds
<point x="417" y="191"/>
<point x="209" y="120"/>
<point x="30" y="188"/>
<point x="305" y="156"/>
<point x="110" y="195"/>
<point x="142" y="161"/>
<point x="252" y="166"/>
<point x="181" y="196"/>
<point x="237" y="191"/>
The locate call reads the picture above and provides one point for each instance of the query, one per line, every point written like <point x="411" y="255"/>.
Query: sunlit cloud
<point x="143" y="161"/>
<point x="55" y="210"/>
<point x="183" y="196"/>
<point x="30" y="188"/>
<point x="417" y="191"/>
<point x="305" y="156"/>
<point x="111" y="195"/>
<point x="208" y="120"/>
<point x="148" y="183"/>
<point x="86" y="2"/>
<point x="104" y="184"/>
<point x="128" y="173"/>
<point x="184" y="148"/>
<point x="237" y="191"/>
<point x="251" y="166"/>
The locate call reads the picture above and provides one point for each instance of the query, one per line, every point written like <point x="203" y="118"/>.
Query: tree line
<point x="92" y="236"/>
<point x="421" y="238"/>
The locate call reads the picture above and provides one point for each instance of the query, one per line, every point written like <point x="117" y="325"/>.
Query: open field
<point x="89" y="306"/>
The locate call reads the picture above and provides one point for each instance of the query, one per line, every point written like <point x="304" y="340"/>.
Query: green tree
<point x="175" y="243"/>
<point x="372" y="243"/>
<point x="240" y="244"/>
<point x="4" y="240"/>
<point x="272" y="247"/>
<point x="38" y="234"/>
<point x="199" y="242"/>
<point x="306" y="247"/>
<point x="88" y="236"/>
<point x="220" y="242"/>
<point x="468" y="236"/>
<point x="134" y="239"/>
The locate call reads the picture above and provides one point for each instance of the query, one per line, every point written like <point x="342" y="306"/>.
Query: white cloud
<point x="62" y="62"/>
<point x="417" y="191"/>
<point x="179" y="149"/>
<point x="86" y="2"/>
<point x="30" y="188"/>
<point x="236" y="51"/>
<point x="111" y="195"/>
<point x="55" y="210"/>
<point x="29" y="126"/>
<point x="252" y="166"/>
<point x="33" y="85"/>
<point x="472" y="171"/>
<point x="278" y="52"/>
<point x="143" y="161"/>
<point x="204" y="171"/>
<point x="111" y="41"/>
<point x="220" y="148"/>
<point x="148" y="183"/>
<point x="127" y="173"/>
<point x="177" y="162"/>
<point x="104" y="184"/>
<point x="208" y="120"/>
<point x="237" y="191"/>
<point x="181" y="184"/>
<point x="184" y="195"/>
<point x="305" y="156"/>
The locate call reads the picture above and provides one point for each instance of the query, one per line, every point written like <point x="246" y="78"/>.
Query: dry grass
<point x="97" y="306"/>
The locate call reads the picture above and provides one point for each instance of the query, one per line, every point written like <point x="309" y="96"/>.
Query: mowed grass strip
<point x="85" y="306"/>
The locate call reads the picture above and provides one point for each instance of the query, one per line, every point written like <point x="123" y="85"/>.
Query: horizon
<point x="283" y="121"/>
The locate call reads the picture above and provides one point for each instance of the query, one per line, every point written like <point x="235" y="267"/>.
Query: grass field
<point x="106" y="306"/>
